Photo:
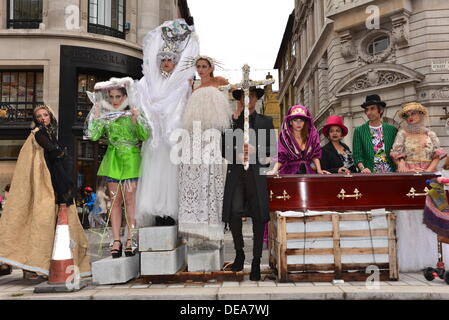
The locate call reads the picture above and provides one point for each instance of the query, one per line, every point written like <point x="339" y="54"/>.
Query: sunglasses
<point x="411" y="113"/>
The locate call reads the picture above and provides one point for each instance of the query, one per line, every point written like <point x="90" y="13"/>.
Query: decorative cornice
<point x="375" y="76"/>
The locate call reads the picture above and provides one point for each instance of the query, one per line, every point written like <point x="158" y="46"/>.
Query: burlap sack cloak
<point x="28" y="222"/>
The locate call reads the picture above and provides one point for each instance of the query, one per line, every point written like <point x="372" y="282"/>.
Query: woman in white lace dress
<point x="202" y="170"/>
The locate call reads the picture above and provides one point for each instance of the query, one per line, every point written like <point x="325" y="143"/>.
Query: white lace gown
<point x="201" y="184"/>
<point x="416" y="245"/>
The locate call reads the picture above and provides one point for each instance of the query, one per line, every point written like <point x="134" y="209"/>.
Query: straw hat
<point x="413" y="106"/>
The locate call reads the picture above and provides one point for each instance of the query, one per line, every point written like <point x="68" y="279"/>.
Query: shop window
<point x="20" y="92"/>
<point x="10" y="149"/>
<point x="86" y="82"/>
<point x="107" y="17"/>
<point x="24" y="14"/>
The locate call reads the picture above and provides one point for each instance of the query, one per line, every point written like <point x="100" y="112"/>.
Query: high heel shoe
<point x="117" y="253"/>
<point x="129" y="250"/>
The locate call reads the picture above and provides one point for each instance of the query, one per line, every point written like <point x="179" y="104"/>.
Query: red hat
<point x="334" y="121"/>
<point x="88" y="189"/>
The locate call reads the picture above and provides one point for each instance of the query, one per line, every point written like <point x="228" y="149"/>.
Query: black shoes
<point x="255" y="270"/>
<point x="129" y="251"/>
<point x="165" y="221"/>
<point x="239" y="261"/>
<point x="117" y="253"/>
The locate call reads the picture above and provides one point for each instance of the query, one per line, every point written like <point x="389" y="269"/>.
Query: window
<point x="378" y="45"/>
<point x="86" y="82"/>
<point x="107" y="17"/>
<point x="293" y="49"/>
<point x="24" y="14"/>
<point x="20" y="92"/>
<point x="10" y="149"/>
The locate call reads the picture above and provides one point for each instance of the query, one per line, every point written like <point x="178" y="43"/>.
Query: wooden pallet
<point x="200" y="277"/>
<point x="327" y="272"/>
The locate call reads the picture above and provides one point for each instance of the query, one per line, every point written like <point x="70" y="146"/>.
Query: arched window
<point x="378" y="45"/>
<point x="24" y="14"/>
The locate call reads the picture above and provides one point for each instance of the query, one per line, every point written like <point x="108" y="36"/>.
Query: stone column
<point x="57" y="17"/>
<point x="131" y="18"/>
<point x="3" y="15"/>
<point x="148" y="17"/>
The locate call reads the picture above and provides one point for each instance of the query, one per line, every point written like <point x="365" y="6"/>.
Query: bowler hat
<point x="334" y="121"/>
<point x="373" y="99"/>
<point x="237" y="94"/>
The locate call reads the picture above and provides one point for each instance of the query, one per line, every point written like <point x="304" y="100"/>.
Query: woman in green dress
<point x="125" y="128"/>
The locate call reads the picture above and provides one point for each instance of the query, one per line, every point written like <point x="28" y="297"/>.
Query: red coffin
<point x="338" y="192"/>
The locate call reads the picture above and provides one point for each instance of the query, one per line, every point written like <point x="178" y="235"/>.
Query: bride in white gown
<point x="201" y="180"/>
<point x="163" y="91"/>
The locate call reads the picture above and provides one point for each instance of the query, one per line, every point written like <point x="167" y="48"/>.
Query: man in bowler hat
<point x="373" y="140"/>
<point x="246" y="192"/>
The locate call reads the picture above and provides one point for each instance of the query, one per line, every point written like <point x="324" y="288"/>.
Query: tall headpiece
<point x="176" y="37"/>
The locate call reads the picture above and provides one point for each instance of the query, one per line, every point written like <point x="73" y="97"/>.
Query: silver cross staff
<point x="245" y="84"/>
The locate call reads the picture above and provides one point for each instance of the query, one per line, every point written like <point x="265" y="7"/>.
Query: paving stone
<point x="266" y="283"/>
<point x="230" y="284"/>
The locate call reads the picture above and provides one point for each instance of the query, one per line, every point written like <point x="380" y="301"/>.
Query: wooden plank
<point x="343" y="234"/>
<point x="309" y="235"/>
<point x="328" y="277"/>
<point x="331" y="266"/>
<point x="282" y="236"/>
<point x="356" y="217"/>
<point x="337" y="249"/>
<point x="392" y="253"/>
<point x="364" y="250"/>
<point x="330" y="251"/>
<point x="311" y="267"/>
<point x="319" y="218"/>
<point x="310" y="251"/>
<point x="364" y="233"/>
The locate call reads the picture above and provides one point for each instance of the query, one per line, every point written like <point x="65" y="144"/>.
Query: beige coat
<point x="28" y="222"/>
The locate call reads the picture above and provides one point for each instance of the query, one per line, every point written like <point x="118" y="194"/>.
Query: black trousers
<point x="246" y="203"/>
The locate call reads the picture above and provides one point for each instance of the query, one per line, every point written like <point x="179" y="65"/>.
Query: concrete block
<point x="205" y="260"/>
<point x="163" y="238"/>
<point x="163" y="262"/>
<point x="112" y="271"/>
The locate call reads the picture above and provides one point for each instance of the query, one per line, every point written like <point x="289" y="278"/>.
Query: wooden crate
<point x="279" y="253"/>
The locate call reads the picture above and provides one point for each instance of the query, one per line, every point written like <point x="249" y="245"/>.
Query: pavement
<point x="411" y="286"/>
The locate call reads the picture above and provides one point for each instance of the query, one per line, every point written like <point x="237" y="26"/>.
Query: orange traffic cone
<point x="62" y="257"/>
<point x="62" y="267"/>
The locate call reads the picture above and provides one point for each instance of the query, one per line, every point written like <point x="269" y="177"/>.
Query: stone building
<point x="54" y="50"/>
<point x="336" y="52"/>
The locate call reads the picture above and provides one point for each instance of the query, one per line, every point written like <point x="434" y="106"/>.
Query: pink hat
<point x="334" y="121"/>
<point x="298" y="111"/>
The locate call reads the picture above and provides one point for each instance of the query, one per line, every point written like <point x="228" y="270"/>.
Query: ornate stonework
<point x="374" y="78"/>
<point x="401" y="29"/>
<point x="441" y="94"/>
<point x="365" y="58"/>
<point x="348" y="48"/>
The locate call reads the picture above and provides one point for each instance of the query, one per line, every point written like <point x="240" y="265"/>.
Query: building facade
<point x="53" y="51"/>
<point x="336" y="52"/>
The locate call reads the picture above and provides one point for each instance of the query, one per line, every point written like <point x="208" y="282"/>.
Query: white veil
<point x="164" y="98"/>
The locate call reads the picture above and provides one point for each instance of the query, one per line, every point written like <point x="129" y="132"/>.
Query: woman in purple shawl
<point x="299" y="149"/>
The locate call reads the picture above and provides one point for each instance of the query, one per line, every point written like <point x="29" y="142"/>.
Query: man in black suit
<point x="246" y="191"/>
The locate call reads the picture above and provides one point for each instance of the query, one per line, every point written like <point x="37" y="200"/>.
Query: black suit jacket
<point x="231" y="147"/>
<point x="331" y="161"/>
